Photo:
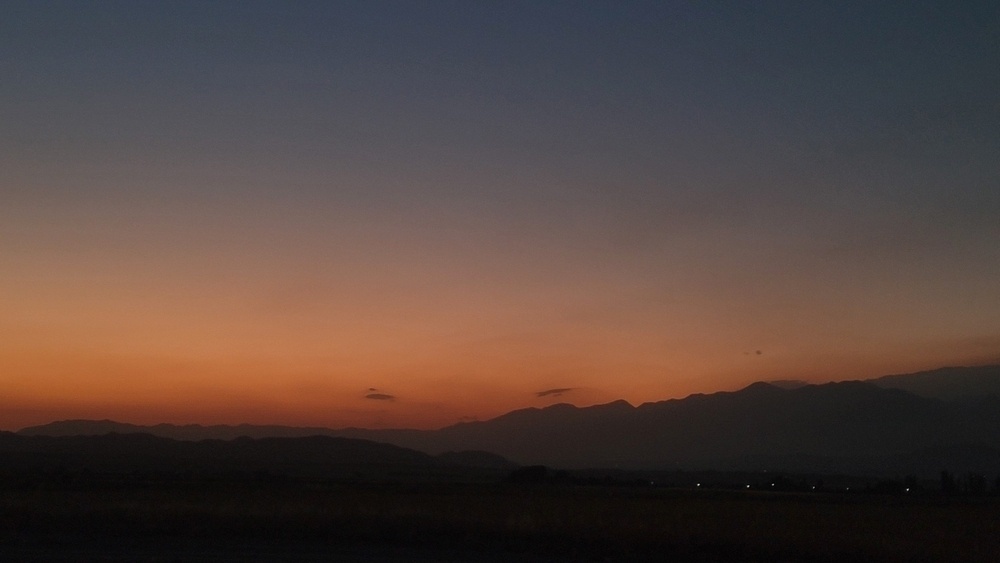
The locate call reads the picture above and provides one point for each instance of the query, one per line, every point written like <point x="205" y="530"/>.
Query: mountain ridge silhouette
<point x="870" y="425"/>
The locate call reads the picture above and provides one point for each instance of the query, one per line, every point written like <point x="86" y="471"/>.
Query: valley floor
<point x="213" y="521"/>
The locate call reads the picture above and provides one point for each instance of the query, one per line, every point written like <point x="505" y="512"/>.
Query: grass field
<point x="216" y="521"/>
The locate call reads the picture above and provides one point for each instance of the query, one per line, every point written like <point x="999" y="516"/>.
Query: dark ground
<point x="120" y="520"/>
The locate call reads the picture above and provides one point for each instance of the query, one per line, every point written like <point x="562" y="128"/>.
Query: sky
<point x="407" y="214"/>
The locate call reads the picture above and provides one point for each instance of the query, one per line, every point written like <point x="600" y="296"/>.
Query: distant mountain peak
<point x="620" y="404"/>
<point x="787" y="383"/>
<point x="760" y="387"/>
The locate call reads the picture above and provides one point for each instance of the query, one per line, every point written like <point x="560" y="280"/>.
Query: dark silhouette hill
<point x="850" y="426"/>
<point x="309" y="457"/>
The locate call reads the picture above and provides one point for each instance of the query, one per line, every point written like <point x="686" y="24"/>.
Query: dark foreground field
<point x="218" y="521"/>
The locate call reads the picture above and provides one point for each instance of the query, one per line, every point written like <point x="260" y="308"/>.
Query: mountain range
<point x="916" y="423"/>
<point x="313" y="457"/>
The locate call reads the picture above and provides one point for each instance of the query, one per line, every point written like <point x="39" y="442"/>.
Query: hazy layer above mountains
<point x="948" y="383"/>
<point x="900" y="423"/>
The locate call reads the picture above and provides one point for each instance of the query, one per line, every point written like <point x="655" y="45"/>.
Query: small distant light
<point x="748" y="486"/>
<point x="697" y="484"/>
<point x="814" y="487"/>
<point x="907" y="489"/>
<point x="772" y="484"/>
<point x="847" y="489"/>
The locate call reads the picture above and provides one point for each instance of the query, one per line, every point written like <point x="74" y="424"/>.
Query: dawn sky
<point x="414" y="213"/>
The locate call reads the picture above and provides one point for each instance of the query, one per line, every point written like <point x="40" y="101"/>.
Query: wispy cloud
<point x="555" y="392"/>
<point x="376" y="394"/>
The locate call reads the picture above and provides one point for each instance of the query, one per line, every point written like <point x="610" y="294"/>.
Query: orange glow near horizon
<point x="180" y="361"/>
<point x="274" y="328"/>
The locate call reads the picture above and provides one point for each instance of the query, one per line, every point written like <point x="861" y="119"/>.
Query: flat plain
<point x="251" y="520"/>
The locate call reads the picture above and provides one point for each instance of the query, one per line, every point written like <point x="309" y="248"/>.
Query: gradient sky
<point x="409" y="214"/>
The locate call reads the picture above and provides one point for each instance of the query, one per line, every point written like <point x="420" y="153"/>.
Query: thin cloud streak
<point x="555" y="392"/>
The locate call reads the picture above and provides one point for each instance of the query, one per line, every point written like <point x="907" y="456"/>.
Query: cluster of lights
<point x="698" y="485"/>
